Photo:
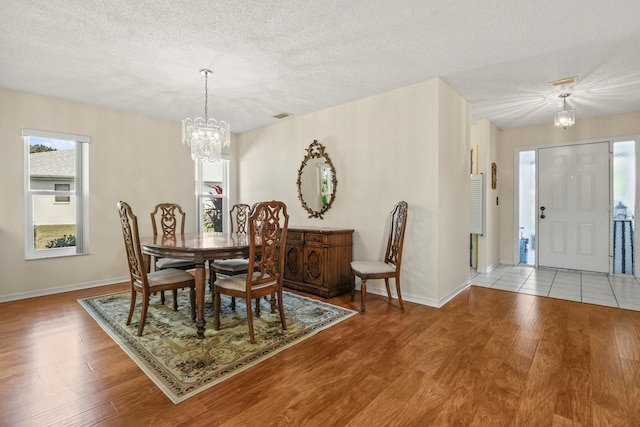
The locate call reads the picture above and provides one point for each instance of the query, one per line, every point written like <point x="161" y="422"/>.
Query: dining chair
<point x="239" y="220"/>
<point x="268" y="224"/>
<point x="147" y="283"/>
<point x="390" y="266"/>
<point x="170" y="219"/>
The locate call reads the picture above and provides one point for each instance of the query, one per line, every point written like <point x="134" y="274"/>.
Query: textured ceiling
<point x="303" y="56"/>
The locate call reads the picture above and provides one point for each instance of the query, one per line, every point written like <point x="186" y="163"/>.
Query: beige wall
<point x="453" y="193"/>
<point x="408" y="144"/>
<point x="131" y="157"/>
<point x="617" y="127"/>
<point x="484" y="134"/>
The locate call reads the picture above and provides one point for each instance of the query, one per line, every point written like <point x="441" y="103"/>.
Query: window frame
<point x="81" y="193"/>
<point x="58" y="197"/>
<point x="201" y="194"/>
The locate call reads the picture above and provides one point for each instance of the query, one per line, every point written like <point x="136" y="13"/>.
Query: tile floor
<point x="594" y="288"/>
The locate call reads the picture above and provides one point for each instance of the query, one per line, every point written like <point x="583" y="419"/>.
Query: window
<point x="212" y="195"/>
<point x="56" y="194"/>
<point x="624" y="201"/>
<point x="63" y="187"/>
<point x="527" y="207"/>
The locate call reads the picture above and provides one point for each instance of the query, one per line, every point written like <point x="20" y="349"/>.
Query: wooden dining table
<point x="199" y="248"/>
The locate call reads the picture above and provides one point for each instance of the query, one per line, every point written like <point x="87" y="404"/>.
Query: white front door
<point x="573" y="207"/>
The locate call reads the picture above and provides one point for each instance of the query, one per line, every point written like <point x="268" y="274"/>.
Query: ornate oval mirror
<point x="316" y="181"/>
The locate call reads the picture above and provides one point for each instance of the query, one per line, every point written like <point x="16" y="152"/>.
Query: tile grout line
<point x="581" y="287"/>
<point x="613" y="291"/>
<point x="525" y="280"/>
<point x="555" y="273"/>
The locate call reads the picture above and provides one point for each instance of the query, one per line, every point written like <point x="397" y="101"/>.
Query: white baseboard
<point x="431" y="302"/>
<point x="453" y="293"/>
<point x="490" y="268"/>
<point x="62" y="289"/>
<point x="377" y="290"/>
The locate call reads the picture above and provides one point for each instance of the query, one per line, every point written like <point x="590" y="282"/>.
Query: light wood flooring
<point x="489" y="357"/>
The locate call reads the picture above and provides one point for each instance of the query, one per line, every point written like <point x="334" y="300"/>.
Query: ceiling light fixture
<point x="565" y="116"/>
<point x="562" y="82"/>
<point x="207" y="136"/>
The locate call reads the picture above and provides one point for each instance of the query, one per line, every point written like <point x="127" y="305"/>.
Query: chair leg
<point x="233" y="303"/>
<point x="281" y="309"/>
<point x="399" y="294"/>
<point x="272" y="301"/>
<point x="363" y="295"/>
<point x="250" y="321"/>
<point x="386" y="282"/>
<point x="212" y="276"/>
<point x="143" y="317"/>
<point x="192" y="300"/>
<point x="162" y="297"/>
<point x="148" y="260"/>
<point x="257" y="307"/>
<point x="353" y="287"/>
<point x="216" y="303"/>
<point x="134" y="294"/>
<point x="175" y="299"/>
<point x="212" y="280"/>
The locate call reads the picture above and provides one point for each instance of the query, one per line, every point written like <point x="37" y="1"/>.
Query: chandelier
<point x="207" y="136"/>
<point x="565" y="116"/>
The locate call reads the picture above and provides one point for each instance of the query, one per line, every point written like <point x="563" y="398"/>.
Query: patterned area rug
<point x="183" y="365"/>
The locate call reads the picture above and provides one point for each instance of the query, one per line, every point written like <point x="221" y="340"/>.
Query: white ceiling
<point x="303" y="56"/>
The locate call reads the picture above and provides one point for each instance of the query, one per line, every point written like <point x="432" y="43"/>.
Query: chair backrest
<point x="268" y="225"/>
<point x="239" y="218"/>
<point x="397" y="226"/>
<point x="171" y="219"/>
<point x="129" y="223"/>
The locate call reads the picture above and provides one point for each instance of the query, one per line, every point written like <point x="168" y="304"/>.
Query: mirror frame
<point x="316" y="151"/>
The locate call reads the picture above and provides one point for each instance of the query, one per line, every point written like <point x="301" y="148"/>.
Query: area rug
<point x="182" y="365"/>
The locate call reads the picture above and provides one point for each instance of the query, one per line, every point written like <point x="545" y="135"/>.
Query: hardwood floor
<point x="489" y="357"/>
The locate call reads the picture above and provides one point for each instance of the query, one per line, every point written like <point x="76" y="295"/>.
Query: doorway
<point x="589" y="200"/>
<point x="573" y="202"/>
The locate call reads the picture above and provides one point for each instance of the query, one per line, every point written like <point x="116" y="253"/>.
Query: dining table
<point x="199" y="248"/>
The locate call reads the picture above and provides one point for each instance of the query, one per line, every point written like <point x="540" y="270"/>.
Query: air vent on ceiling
<point x="281" y="115"/>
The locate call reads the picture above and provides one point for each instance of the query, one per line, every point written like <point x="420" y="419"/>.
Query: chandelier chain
<point x="206" y="96"/>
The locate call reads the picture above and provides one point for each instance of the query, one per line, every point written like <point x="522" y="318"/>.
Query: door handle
<point x="542" y="212"/>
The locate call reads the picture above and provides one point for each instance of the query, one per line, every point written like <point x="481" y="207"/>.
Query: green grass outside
<point x="46" y="233"/>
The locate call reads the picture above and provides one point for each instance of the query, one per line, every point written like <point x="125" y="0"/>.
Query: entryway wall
<point x="483" y="138"/>
<point x="614" y="128"/>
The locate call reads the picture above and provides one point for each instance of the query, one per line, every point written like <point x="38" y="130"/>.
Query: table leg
<point x="200" y="293"/>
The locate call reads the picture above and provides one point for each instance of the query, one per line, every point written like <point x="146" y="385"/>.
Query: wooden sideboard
<point x="318" y="260"/>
